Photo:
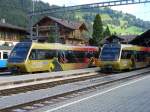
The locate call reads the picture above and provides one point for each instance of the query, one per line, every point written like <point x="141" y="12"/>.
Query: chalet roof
<point x="66" y="23"/>
<point x="143" y="39"/>
<point x="127" y="38"/>
<point x="121" y="38"/>
<point x="10" y="26"/>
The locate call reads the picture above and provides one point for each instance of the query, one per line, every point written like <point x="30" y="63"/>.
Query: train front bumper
<point x="110" y="66"/>
<point x="16" y="68"/>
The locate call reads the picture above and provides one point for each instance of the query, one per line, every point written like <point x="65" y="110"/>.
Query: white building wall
<point x="10" y="43"/>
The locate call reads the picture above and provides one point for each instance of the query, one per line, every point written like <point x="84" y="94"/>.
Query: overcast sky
<point x="141" y="10"/>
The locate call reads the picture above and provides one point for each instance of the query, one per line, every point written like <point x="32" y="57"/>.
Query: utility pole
<point x="30" y="20"/>
<point x="30" y="27"/>
<point x="56" y="33"/>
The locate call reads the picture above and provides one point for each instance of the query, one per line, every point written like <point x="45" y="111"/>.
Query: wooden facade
<point x="142" y="40"/>
<point x="69" y="32"/>
<point x="125" y="39"/>
<point x="11" y="34"/>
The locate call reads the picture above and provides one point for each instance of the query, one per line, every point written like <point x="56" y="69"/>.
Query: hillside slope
<point x="15" y="12"/>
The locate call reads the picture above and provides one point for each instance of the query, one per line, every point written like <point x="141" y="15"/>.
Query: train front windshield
<point x="19" y="53"/>
<point x="110" y="52"/>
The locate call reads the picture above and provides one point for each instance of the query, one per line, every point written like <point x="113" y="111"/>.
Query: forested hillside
<point x="15" y="12"/>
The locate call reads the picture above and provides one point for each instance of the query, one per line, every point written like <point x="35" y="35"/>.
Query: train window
<point x="20" y="52"/>
<point x="5" y="55"/>
<point x="62" y="57"/>
<point x="38" y="54"/>
<point x="110" y="53"/>
<point x="41" y="54"/>
<point x="126" y="54"/>
<point x="50" y="54"/>
<point x="80" y="55"/>
<point x="89" y="54"/>
<point x="141" y="56"/>
<point x="61" y="54"/>
<point x="71" y="57"/>
<point x="96" y="54"/>
<point x="33" y="55"/>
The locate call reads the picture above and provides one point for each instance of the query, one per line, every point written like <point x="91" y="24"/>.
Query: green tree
<point x="115" y="33"/>
<point x="97" y="30"/>
<point x="54" y="35"/>
<point x="91" y="42"/>
<point x="52" y="38"/>
<point x="107" y="32"/>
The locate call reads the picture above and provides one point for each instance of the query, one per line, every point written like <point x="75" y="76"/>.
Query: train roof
<point x="130" y="47"/>
<point x="125" y="45"/>
<point x="135" y="47"/>
<point x="62" y="46"/>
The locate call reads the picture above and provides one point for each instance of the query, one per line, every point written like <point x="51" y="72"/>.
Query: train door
<point x="92" y="56"/>
<point x="40" y="60"/>
<point x="36" y="61"/>
<point x="126" y="60"/>
<point x="3" y="59"/>
<point x="141" y="59"/>
<point x="68" y="60"/>
<point x="62" y="63"/>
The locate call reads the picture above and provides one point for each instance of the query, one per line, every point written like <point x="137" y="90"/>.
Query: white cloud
<point x="126" y="9"/>
<point x="71" y="2"/>
<point x="141" y="11"/>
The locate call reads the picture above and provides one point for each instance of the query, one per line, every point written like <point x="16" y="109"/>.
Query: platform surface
<point x="133" y="96"/>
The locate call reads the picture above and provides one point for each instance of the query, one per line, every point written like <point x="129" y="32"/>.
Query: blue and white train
<point x="4" y="53"/>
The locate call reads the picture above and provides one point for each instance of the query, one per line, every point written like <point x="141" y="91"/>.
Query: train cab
<point x="118" y="57"/>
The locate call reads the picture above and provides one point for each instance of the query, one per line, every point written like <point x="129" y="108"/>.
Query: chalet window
<point x="10" y="36"/>
<point x="3" y="35"/>
<point x="6" y="35"/>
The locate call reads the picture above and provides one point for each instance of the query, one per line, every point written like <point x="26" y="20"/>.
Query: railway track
<point x="11" y="87"/>
<point x="46" y="84"/>
<point x="35" y="99"/>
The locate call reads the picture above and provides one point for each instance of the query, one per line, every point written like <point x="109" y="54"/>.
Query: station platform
<point x="132" y="96"/>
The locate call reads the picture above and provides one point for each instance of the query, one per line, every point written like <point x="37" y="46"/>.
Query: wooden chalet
<point x="69" y="32"/>
<point x="11" y="34"/>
